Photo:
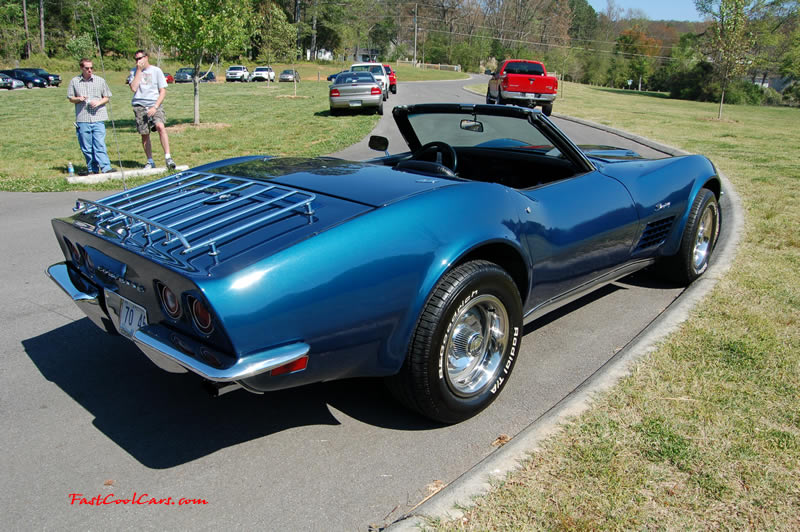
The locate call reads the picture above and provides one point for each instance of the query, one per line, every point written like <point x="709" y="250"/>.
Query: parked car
<point x="355" y="90"/>
<point x="262" y="73"/>
<point x="332" y="77"/>
<point x="237" y="73"/>
<point x="392" y="78"/>
<point x="523" y="82"/>
<point x="422" y="266"/>
<point x="30" y="80"/>
<point x="185" y="75"/>
<point x="377" y="70"/>
<point x="53" y="80"/>
<point x="7" y="82"/>
<point x="289" y="75"/>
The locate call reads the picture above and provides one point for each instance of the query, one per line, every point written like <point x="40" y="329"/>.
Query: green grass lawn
<point x="236" y="119"/>
<point x="705" y="433"/>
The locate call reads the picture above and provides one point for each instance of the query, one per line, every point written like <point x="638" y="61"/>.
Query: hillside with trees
<point x="614" y="47"/>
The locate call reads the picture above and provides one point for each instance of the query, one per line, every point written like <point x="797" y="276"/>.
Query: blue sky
<point x="655" y="9"/>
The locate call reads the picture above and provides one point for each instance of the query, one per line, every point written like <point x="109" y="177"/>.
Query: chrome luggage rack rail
<point x="189" y="204"/>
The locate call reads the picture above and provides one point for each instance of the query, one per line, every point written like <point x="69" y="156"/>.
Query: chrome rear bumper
<point x="168" y="349"/>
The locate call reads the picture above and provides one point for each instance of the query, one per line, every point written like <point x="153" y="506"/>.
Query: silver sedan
<point x="355" y="90"/>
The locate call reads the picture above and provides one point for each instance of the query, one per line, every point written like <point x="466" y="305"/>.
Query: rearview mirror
<point x="472" y="125"/>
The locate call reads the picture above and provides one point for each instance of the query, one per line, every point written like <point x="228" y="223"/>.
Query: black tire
<point x="452" y="370"/>
<point x="380" y="109"/>
<point x="698" y="241"/>
<point x="489" y="99"/>
<point x="547" y="109"/>
<point x="334" y="112"/>
<point x="29" y="84"/>
<point x="393" y="88"/>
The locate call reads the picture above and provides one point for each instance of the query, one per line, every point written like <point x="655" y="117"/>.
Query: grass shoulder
<point x="705" y="432"/>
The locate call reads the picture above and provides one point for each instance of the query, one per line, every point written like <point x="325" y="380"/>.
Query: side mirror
<point x="379" y="143"/>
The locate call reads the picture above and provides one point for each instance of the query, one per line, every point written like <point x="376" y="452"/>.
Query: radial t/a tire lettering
<point x="465" y="345"/>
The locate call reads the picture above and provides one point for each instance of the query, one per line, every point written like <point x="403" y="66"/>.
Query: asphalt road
<point x="85" y="413"/>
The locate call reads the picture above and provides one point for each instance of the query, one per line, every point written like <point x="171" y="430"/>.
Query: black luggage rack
<point x="196" y="204"/>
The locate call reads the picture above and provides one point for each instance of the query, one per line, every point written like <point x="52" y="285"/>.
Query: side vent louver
<point x="655" y="233"/>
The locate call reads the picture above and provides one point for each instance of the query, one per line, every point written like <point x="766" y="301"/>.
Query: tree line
<point x="742" y="44"/>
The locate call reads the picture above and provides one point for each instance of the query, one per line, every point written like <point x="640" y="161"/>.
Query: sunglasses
<point x="140" y="57"/>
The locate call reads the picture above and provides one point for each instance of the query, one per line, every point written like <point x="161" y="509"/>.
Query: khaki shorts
<point x="145" y="124"/>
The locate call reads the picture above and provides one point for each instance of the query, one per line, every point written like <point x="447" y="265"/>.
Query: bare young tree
<point x="729" y="40"/>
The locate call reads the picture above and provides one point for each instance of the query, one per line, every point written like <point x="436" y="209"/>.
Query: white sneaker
<point x="148" y="166"/>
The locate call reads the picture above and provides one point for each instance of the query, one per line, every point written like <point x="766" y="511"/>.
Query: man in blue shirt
<point x="149" y="88"/>
<point x="90" y="94"/>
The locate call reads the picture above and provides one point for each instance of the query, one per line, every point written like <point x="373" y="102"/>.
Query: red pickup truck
<point x="523" y="82"/>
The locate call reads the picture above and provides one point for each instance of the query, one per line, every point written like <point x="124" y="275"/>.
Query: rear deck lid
<point x="224" y="216"/>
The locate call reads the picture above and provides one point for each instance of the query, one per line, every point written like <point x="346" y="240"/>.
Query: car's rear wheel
<point x="489" y="98"/>
<point x="29" y="84"/>
<point x="547" y="109"/>
<point x="465" y="345"/>
<point x="379" y="109"/>
<point x="698" y="241"/>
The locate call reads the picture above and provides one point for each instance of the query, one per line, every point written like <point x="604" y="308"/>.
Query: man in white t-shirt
<point x="149" y="88"/>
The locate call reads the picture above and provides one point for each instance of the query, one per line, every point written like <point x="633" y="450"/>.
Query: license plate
<point x="355" y="103"/>
<point x="132" y="317"/>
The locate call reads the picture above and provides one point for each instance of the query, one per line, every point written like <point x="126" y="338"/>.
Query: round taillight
<point x="334" y="93"/>
<point x="170" y="302"/>
<point x="74" y="252"/>
<point x="201" y="316"/>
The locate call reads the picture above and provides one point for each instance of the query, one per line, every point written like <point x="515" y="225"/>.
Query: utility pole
<point x="415" y="35"/>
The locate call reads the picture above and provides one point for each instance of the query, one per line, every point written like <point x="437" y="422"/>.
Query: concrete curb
<point x="460" y="493"/>
<point x="101" y="178"/>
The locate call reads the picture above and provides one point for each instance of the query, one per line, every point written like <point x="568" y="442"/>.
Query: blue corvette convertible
<point x="422" y="267"/>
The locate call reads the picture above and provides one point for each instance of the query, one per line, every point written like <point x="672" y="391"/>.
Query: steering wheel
<point x="438" y="152"/>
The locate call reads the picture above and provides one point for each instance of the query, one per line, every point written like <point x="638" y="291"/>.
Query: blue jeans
<point x="92" y="140"/>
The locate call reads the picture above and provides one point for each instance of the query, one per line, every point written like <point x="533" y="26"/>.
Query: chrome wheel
<point x="706" y="235"/>
<point x="476" y="345"/>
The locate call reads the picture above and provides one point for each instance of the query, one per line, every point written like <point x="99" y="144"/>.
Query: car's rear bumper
<point x="365" y="101"/>
<point x="168" y="349"/>
<point x="528" y="97"/>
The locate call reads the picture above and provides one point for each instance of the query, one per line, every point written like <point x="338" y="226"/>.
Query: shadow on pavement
<point x="164" y="420"/>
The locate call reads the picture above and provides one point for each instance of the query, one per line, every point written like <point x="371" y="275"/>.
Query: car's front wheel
<point x="465" y="344"/>
<point x="698" y="241"/>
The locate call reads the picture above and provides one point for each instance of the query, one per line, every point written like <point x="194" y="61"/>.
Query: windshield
<point x="236" y="68"/>
<point x="482" y="131"/>
<point x="375" y="69"/>
<point x="354" y="77"/>
<point x="185" y="70"/>
<point x="263" y="69"/>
